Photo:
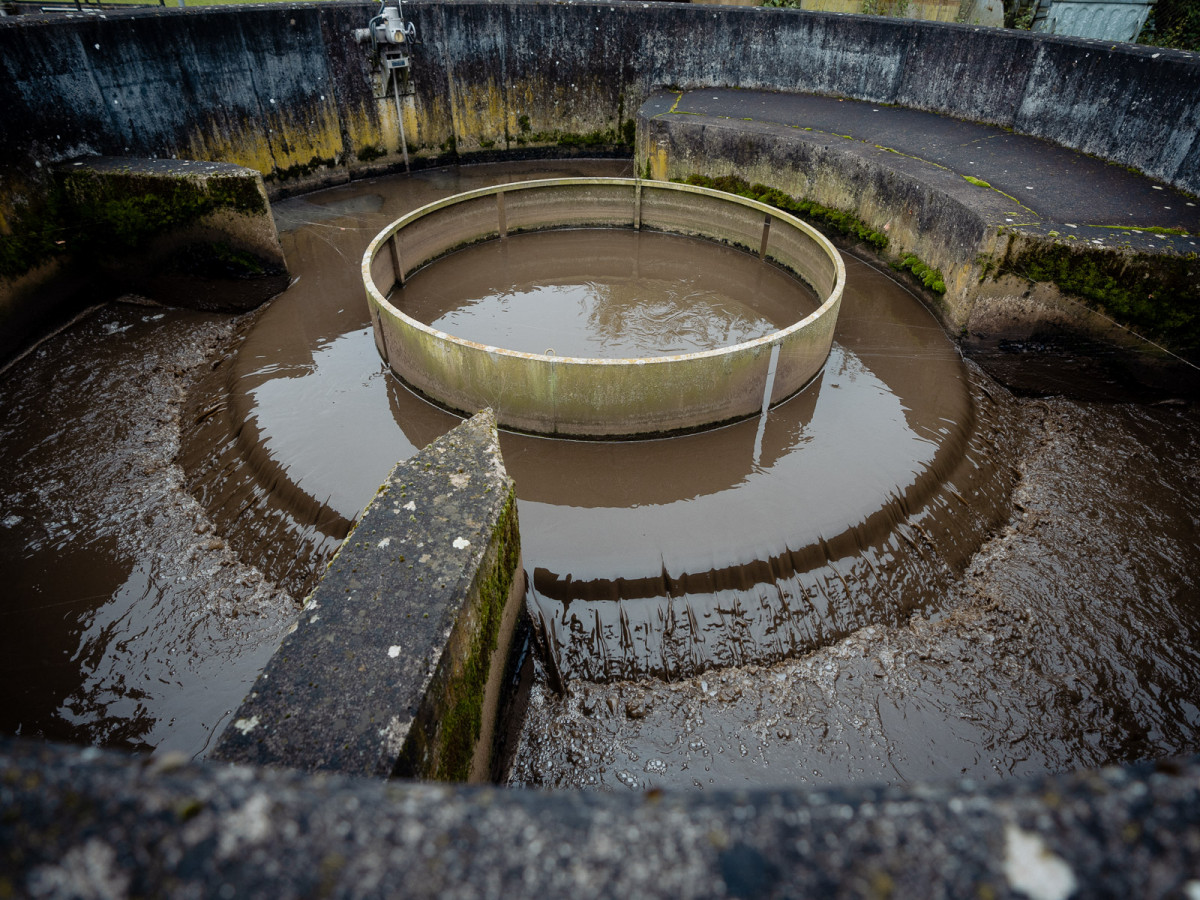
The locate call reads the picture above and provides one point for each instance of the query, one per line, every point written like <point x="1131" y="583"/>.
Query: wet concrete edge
<point x="87" y="822"/>
<point x="394" y="664"/>
<point x="928" y="211"/>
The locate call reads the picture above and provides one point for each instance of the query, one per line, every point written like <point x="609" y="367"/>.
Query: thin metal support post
<point x="397" y="269"/>
<point x="400" y="117"/>
<point x="768" y="389"/>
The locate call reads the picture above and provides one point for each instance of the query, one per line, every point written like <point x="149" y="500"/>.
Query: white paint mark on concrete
<point x="393" y="736"/>
<point x="461" y="543"/>
<point x="1033" y="869"/>
<point x="245" y="726"/>
<point x="249" y="825"/>
<point x="90" y="870"/>
<point x="394" y="651"/>
<point x="383" y="544"/>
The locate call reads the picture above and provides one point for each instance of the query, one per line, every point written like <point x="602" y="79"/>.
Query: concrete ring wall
<point x="543" y="393"/>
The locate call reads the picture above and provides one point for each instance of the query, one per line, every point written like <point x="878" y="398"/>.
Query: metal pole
<point x="400" y="117"/>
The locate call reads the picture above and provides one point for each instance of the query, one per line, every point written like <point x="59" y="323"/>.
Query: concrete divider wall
<point x="396" y="663"/>
<point x="926" y="210"/>
<point x="89" y="823"/>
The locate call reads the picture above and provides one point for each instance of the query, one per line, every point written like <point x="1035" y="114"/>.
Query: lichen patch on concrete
<point x="1033" y="869"/>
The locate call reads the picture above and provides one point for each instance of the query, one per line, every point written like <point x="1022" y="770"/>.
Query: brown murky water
<point x="841" y="591"/>
<point x="605" y="293"/>
<point x="1070" y="641"/>
<point x="125" y="620"/>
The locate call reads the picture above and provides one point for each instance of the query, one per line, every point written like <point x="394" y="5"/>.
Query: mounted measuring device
<point x="391" y="38"/>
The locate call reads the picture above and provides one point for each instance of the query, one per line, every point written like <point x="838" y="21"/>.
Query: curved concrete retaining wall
<point x="962" y="228"/>
<point x="287" y="91"/>
<point x="564" y="395"/>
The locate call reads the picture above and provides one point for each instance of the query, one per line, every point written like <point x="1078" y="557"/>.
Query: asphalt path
<point x="1052" y="188"/>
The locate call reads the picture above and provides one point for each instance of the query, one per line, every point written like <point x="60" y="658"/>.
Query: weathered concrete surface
<point x="394" y="667"/>
<point x="89" y="823"/>
<point x="1032" y="240"/>
<point x="182" y="232"/>
<point x="287" y="91"/>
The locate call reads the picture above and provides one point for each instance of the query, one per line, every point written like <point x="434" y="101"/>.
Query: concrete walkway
<point x="1051" y="188"/>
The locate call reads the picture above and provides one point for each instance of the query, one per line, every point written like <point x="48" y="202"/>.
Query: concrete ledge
<point x="185" y="233"/>
<point x="1001" y="278"/>
<point x="395" y="665"/>
<point x="84" y="822"/>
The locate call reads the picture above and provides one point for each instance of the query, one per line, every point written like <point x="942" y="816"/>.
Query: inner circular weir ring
<point x="574" y="396"/>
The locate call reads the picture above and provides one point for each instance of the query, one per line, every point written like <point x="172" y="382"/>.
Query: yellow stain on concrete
<point x="246" y="148"/>
<point x="660" y="162"/>
<point x="479" y="113"/>
<point x="250" y="145"/>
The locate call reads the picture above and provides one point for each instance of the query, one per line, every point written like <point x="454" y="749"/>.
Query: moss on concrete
<point x="38" y="234"/>
<point x="369" y="153"/>
<point x="836" y="220"/>
<point x="462" y="721"/>
<point x="92" y="215"/>
<point x="104" y="212"/>
<point x="619" y="137"/>
<point x="927" y="275"/>
<point x="1157" y="296"/>
<point x="302" y="170"/>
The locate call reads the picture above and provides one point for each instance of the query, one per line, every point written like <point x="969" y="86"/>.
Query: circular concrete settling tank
<point x="548" y="393"/>
<point x="803" y="541"/>
<point x="854" y="502"/>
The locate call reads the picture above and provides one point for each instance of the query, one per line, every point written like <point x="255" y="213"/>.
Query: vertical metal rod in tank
<point x="377" y="330"/>
<point x="637" y="207"/>
<point x="400" y="117"/>
<point x="397" y="269"/>
<point x="502" y="220"/>
<point x="762" y="248"/>
<point x="768" y="387"/>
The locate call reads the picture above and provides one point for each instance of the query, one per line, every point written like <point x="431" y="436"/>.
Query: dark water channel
<point x="903" y="572"/>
